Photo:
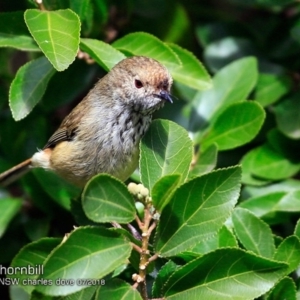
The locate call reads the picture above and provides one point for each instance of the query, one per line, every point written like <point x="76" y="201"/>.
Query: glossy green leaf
<point x="289" y="252"/>
<point x="284" y="289"/>
<point x="248" y="162"/>
<point x="271" y="203"/>
<point x="106" y="199"/>
<point x="237" y="125"/>
<point x="17" y="293"/>
<point x="162" y="277"/>
<point x="191" y="73"/>
<point x="87" y="253"/>
<point x="165" y="149"/>
<point x="224" y="274"/>
<point x="253" y="233"/>
<point x="224" y="238"/>
<point x="163" y="190"/>
<point x="286" y="111"/>
<point x="85" y="294"/>
<point x="104" y="54"/>
<point x="145" y="44"/>
<point x="56" y="33"/>
<point x="225" y="49"/>
<point x="197" y="210"/>
<point x="269" y="164"/>
<point x="29" y="86"/>
<point x="270" y="88"/>
<point x="79" y="214"/>
<point x="230" y="85"/>
<point x="206" y="161"/>
<point x="16" y="36"/>
<point x="117" y="289"/>
<point x="9" y="207"/>
<point x="33" y="255"/>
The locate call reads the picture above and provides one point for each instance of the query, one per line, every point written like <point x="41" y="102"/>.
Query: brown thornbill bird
<point x="102" y="133"/>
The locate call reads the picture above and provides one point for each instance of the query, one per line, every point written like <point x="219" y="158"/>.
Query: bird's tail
<point x="15" y="172"/>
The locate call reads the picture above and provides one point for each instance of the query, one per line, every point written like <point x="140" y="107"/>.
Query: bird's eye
<point x="138" y="84"/>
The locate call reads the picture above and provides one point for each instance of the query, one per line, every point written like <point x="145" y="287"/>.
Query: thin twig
<point x="153" y="257"/>
<point x="144" y="290"/>
<point x="116" y="225"/>
<point x="40" y="4"/>
<point x="135" y="285"/>
<point x="85" y="57"/>
<point x="136" y="248"/>
<point x="139" y="222"/>
<point x="153" y="225"/>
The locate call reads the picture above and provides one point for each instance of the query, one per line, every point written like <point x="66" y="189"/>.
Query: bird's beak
<point x="165" y="96"/>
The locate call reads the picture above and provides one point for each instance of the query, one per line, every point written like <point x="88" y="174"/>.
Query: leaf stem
<point x="40" y="4"/>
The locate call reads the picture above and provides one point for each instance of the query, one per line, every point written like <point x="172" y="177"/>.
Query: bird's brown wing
<point x="60" y="135"/>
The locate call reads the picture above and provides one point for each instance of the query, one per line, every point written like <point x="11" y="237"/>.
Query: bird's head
<point x="143" y="83"/>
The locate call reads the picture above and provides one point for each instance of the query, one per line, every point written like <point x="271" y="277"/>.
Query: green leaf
<point x="224" y="49"/>
<point x="297" y="229"/>
<point x="206" y="162"/>
<point x="165" y="149"/>
<point x="80" y="7"/>
<point x="284" y="289"/>
<point x="145" y="44"/>
<point x="229" y="132"/>
<point x="254" y="234"/>
<point x="85" y="294"/>
<point x="191" y="72"/>
<point x="248" y="177"/>
<point x="106" y="199"/>
<point x="17" y="293"/>
<point x="230" y="85"/>
<point x="33" y="255"/>
<point x="16" y="36"/>
<point x="289" y="252"/>
<point x="270" y="203"/>
<point x="78" y="213"/>
<point x="163" y="190"/>
<point x="224" y="238"/>
<point x="286" y="111"/>
<point x="57" y="188"/>
<point x="162" y="277"/>
<point x="269" y="164"/>
<point x="224" y="274"/>
<point x="285" y="146"/>
<point x="9" y="207"/>
<point x="104" y="54"/>
<point x="29" y="86"/>
<point x="270" y="88"/>
<point x="56" y="33"/>
<point x="181" y="23"/>
<point x="117" y="289"/>
<point x="197" y="210"/>
<point x="88" y="252"/>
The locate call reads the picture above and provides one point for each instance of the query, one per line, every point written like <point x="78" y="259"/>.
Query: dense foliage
<point x="216" y="216"/>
